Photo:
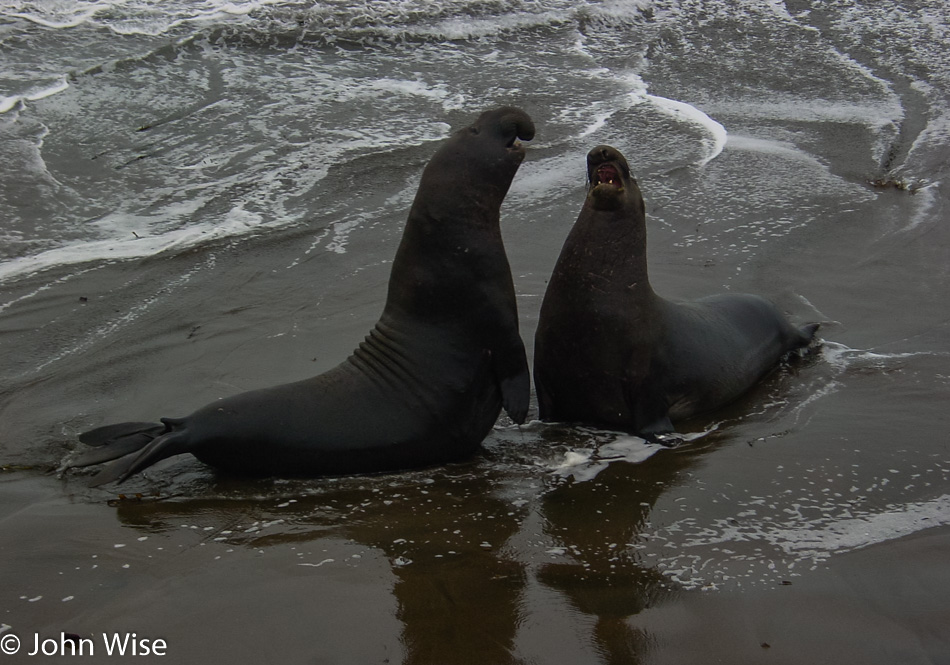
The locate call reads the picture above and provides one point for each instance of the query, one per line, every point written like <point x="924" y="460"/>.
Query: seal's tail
<point x="134" y="445"/>
<point x="804" y="340"/>
<point x="807" y="333"/>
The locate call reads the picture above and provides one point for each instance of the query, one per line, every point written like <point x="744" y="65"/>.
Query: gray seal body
<point x="610" y="352"/>
<point x="428" y="382"/>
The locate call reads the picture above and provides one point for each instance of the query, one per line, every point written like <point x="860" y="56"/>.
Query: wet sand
<point x="450" y="566"/>
<point x="808" y="523"/>
<point x="883" y="604"/>
<point x="796" y="531"/>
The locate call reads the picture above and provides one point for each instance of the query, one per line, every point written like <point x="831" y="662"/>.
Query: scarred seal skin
<point x="429" y="381"/>
<point x="610" y="352"/>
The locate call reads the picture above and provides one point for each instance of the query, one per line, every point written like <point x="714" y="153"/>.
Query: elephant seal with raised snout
<point x="610" y="352"/>
<point x="428" y="382"/>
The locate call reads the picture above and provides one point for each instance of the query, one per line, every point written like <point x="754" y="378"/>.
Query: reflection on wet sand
<point x="458" y="581"/>
<point x="599" y="524"/>
<point x="457" y="589"/>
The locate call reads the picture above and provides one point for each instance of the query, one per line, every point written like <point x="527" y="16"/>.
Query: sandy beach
<point x="198" y="205"/>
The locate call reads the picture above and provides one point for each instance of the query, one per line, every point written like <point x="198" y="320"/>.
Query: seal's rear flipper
<point x="808" y="331"/>
<point x="115" y="441"/>
<point x="807" y="341"/>
<point x="107" y="453"/>
<point x="168" y="444"/>
<point x="110" y="433"/>
<point x="112" y="472"/>
<point x="139" y="445"/>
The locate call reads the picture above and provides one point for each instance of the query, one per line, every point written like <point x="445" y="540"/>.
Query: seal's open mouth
<point x="607" y="174"/>
<point x="516" y="124"/>
<point x="514" y="143"/>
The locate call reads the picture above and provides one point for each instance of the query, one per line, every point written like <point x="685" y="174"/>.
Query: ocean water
<point x="134" y="128"/>
<point x="198" y="198"/>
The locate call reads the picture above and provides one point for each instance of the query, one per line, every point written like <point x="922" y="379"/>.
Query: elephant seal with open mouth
<point x="612" y="353"/>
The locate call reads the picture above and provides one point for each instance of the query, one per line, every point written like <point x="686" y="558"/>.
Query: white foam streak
<point x="927" y="158"/>
<point x="690" y="114"/>
<point x="584" y="464"/>
<point x="46" y="287"/>
<point x="597" y="115"/>
<point x="851" y="534"/>
<point x="160" y="26"/>
<point x="778" y="148"/>
<point x="123" y="319"/>
<point x="841" y="357"/>
<point x="70" y="21"/>
<point x="9" y="103"/>
<point x="237" y="222"/>
<point x="925" y="199"/>
<point x="468" y="28"/>
<point x="619" y="9"/>
<point x="813" y="110"/>
<point x="341" y="233"/>
<point x="816" y="541"/>
<point x="540" y="179"/>
<point x="596" y="124"/>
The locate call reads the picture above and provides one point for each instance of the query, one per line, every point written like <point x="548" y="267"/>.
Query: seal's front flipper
<point x="510" y="365"/>
<point x="651" y="417"/>
<point x="658" y="431"/>
<point x="515" y="395"/>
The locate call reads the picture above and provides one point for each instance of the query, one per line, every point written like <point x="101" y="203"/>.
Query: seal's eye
<point x="474" y="130"/>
